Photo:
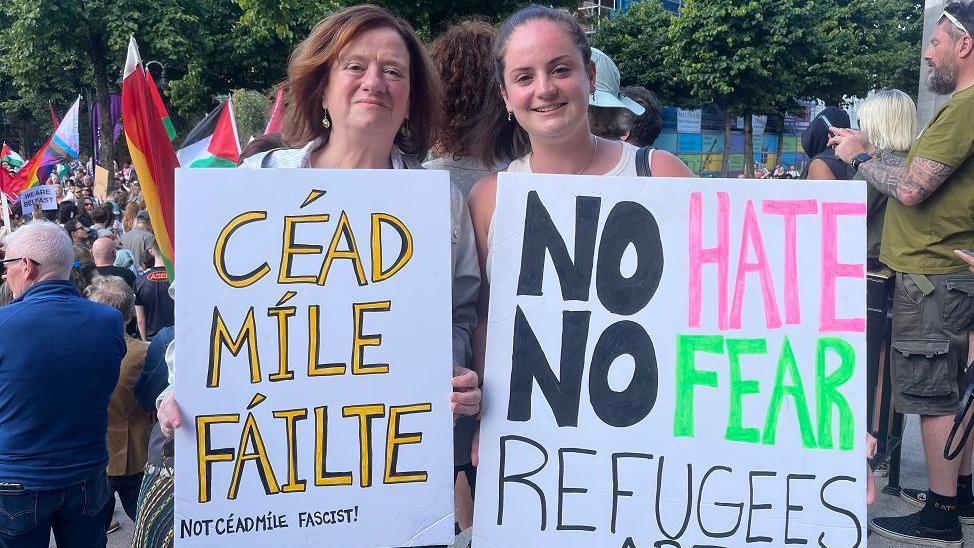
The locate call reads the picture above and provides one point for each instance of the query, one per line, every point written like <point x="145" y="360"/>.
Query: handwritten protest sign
<point x="41" y="195"/>
<point x="313" y="358"/>
<point x="674" y="363"/>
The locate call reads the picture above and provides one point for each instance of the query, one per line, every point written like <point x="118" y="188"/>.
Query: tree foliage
<point x="637" y="41"/>
<point x="251" y="109"/>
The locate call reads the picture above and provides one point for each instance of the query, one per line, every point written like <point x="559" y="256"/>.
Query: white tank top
<point x="625" y="167"/>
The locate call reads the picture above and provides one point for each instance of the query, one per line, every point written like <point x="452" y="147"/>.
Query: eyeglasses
<point x="953" y="19"/>
<point x="11" y="261"/>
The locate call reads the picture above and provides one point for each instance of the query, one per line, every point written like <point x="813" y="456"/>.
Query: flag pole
<point x="5" y="209"/>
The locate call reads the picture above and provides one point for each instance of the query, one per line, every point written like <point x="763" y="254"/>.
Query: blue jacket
<point x="59" y="361"/>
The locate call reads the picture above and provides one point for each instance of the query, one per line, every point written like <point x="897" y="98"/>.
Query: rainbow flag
<point x="152" y="152"/>
<point x="62" y="146"/>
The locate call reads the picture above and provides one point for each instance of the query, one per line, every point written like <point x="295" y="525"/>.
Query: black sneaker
<point x="918" y="498"/>
<point x="913" y="529"/>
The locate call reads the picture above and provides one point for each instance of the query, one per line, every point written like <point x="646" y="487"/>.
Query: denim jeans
<point x="74" y="513"/>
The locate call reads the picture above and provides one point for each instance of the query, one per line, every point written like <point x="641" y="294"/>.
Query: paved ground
<point x="913" y="473"/>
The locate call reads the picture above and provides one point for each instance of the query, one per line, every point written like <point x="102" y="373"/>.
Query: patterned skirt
<point x="154" y="523"/>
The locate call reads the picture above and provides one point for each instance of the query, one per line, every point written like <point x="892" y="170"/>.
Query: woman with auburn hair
<point x="128" y="217"/>
<point x="543" y="67"/>
<point x="462" y="56"/>
<point x="363" y="94"/>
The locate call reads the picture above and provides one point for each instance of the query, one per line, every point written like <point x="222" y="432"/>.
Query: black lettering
<point x="562" y="489"/>
<point x="789" y="507"/>
<point x="840" y="510"/>
<point x="739" y="506"/>
<point x="529" y="363"/>
<point x="540" y="234"/>
<point x="753" y="507"/>
<point x="616" y="493"/>
<point x="629" y="223"/>
<point x="659" y="492"/>
<point x="502" y="478"/>
<point x="633" y="404"/>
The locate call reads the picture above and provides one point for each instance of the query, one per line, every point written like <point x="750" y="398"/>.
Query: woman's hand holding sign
<point x="465" y="399"/>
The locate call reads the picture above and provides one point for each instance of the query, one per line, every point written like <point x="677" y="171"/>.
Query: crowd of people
<point x="85" y="419"/>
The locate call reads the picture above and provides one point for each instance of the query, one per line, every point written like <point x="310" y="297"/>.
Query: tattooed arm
<point x="910" y="185"/>
<point x="888" y="158"/>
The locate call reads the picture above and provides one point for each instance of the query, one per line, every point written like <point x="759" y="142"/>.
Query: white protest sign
<point x="313" y="358"/>
<point x="674" y="362"/>
<point x="42" y="195"/>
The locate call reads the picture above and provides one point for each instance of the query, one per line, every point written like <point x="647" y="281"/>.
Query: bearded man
<point x="928" y="220"/>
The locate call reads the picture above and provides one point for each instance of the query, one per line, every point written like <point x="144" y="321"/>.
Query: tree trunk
<point x="99" y="65"/>
<point x="727" y="143"/>
<point x="748" y="145"/>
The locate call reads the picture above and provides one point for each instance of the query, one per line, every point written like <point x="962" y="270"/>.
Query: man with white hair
<point x="53" y="396"/>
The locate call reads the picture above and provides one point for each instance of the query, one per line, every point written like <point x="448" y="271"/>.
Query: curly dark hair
<point x="462" y="55"/>
<point x="647" y="126"/>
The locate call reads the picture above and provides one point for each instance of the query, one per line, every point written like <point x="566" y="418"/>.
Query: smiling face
<point x="368" y="85"/>
<point x="546" y="84"/>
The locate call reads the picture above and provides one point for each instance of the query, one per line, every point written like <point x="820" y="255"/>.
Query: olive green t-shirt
<point x="921" y="239"/>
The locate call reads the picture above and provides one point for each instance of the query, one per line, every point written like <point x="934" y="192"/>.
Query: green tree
<point x="636" y="41"/>
<point x="864" y="45"/>
<point x="57" y="49"/>
<point x="251" y="109"/>
<point x="747" y="57"/>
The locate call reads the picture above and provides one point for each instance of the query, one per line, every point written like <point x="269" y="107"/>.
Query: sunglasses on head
<point x="956" y="22"/>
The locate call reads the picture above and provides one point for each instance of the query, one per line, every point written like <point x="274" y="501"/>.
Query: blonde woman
<point x="888" y="120"/>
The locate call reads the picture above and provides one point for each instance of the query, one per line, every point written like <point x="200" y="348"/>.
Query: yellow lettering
<point x="289" y="248"/>
<point x="405" y="250"/>
<point x="344" y="229"/>
<point x="291" y="417"/>
<point x="205" y="456"/>
<point x="322" y="476"/>
<point x="394" y="439"/>
<point x="282" y="313"/>
<point x="251" y="435"/>
<point x="361" y="341"/>
<point x="365" y="414"/>
<point x="220" y="337"/>
<point x="314" y="333"/>
<point x="220" y="249"/>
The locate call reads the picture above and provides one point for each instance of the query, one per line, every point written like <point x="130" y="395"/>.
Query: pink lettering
<point x="833" y="269"/>
<point x="700" y="256"/>
<point x="751" y="233"/>
<point x="790" y="209"/>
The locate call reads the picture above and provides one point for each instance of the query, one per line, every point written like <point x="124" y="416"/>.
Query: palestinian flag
<point x="152" y="153"/>
<point x="160" y="106"/>
<point x="8" y="156"/>
<point x="213" y="142"/>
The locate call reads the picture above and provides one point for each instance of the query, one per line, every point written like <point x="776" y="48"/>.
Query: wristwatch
<point x="860" y="158"/>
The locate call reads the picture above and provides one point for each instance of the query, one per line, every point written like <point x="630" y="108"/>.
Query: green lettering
<point x="788" y="365"/>
<point x="740" y="387"/>
<point x="687" y="376"/>
<point x="828" y="394"/>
